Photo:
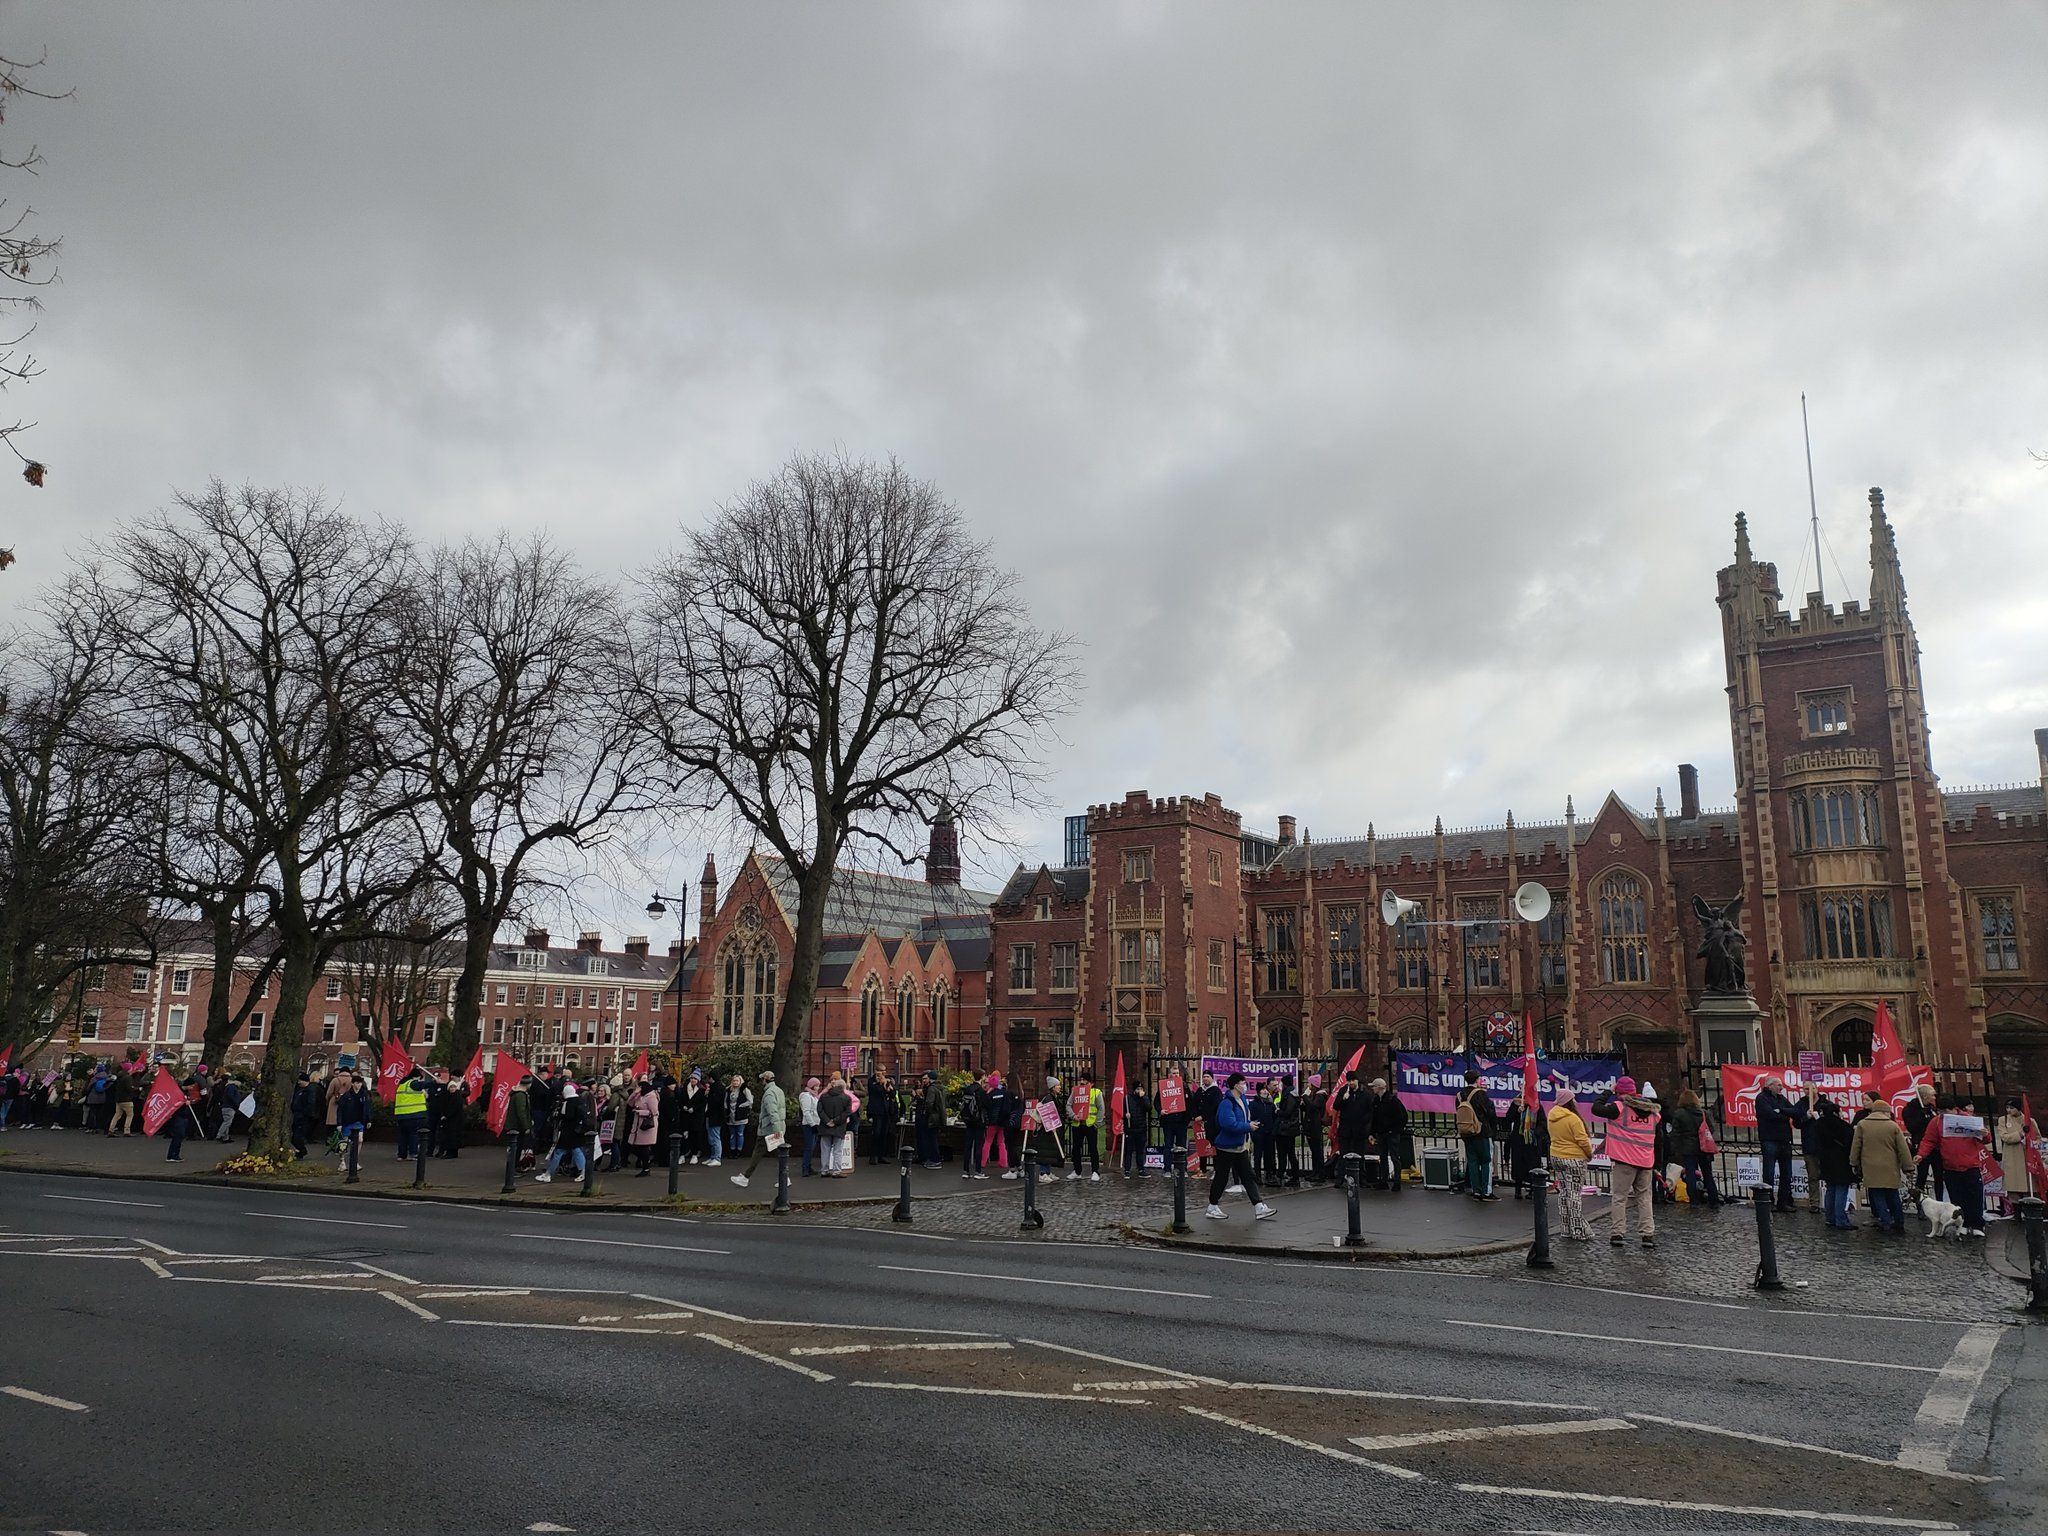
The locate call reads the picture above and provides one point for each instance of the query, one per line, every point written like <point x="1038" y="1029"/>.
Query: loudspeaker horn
<point x="1532" y="902"/>
<point x="1394" y="910"/>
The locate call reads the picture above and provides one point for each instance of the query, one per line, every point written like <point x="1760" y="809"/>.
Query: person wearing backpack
<point x="1477" y="1119"/>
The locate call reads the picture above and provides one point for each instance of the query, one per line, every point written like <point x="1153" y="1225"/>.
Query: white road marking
<point x="616" y="1242"/>
<point x="97" y="1200"/>
<point x="1800" y="1445"/>
<point x="665" y="1317"/>
<point x="542" y="1525"/>
<point x="90" y="1253"/>
<point x="762" y="1355"/>
<point x="157" y="1269"/>
<point x="1939" y="1423"/>
<point x="1406" y="1474"/>
<point x="491" y="1291"/>
<point x="685" y="1306"/>
<point x="1490" y="1432"/>
<point x="1608" y="1290"/>
<point x="271" y="1285"/>
<point x="47" y="1401"/>
<point x="1716" y="1349"/>
<point x="686" y="1221"/>
<point x="867" y="1349"/>
<point x="346" y="1274"/>
<point x="244" y="1260"/>
<point x="1405" y="1397"/>
<point x="1829" y="1516"/>
<point x="388" y="1274"/>
<point x="1046" y="1397"/>
<point x="481" y="1322"/>
<point x="1157" y="1384"/>
<point x="411" y="1306"/>
<point x="1078" y="1285"/>
<point x="1136" y="1365"/>
<point x="329" y="1221"/>
<point x="602" y="1317"/>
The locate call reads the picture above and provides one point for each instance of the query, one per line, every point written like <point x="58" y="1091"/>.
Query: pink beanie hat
<point x="1625" y="1085"/>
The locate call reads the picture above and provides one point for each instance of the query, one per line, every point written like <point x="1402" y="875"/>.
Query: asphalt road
<point x="227" y="1359"/>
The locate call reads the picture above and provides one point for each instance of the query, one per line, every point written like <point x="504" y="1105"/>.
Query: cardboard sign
<point x="1749" y="1169"/>
<point x="1811" y="1065"/>
<point x="1049" y="1115"/>
<point x="1173" y="1097"/>
<point x="1077" y="1105"/>
<point x="849" y="1059"/>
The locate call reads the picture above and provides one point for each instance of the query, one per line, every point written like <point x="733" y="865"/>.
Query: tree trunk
<point x="271" y="1135"/>
<point x="465" y="1019"/>
<point x="793" y="1029"/>
<point x="220" y="1018"/>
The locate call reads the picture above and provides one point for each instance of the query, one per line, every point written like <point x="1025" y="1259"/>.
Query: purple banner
<point x="1256" y="1069"/>
<point x="1430" y="1081"/>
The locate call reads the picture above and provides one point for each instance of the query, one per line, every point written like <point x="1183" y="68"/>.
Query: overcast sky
<point x="1370" y="390"/>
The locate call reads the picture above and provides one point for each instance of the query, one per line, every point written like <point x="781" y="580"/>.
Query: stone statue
<point x="1721" y="946"/>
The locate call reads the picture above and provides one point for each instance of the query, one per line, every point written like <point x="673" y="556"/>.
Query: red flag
<point x="6" y="1056"/>
<point x="639" y="1067"/>
<point x="165" y="1099"/>
<point x="510" y="1075"/>
<point x="1531" y="1094"/>
<point x="1896" y="1080"/>
<point x="2037" y="1167"/>
<point x="473" y="1075"/>
<point x="1116" y="1102"/>
<point x="394" y="1069"/>
<point x="1330" y="1109"/>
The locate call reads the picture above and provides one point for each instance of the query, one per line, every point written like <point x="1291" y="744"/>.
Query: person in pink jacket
<point x="1632" y="1146"/>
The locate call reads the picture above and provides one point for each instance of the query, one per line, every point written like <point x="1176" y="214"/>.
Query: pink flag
<point x="165" y="1099"/>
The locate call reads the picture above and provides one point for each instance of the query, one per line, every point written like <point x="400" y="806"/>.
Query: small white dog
<point x="1943" y="1218"/>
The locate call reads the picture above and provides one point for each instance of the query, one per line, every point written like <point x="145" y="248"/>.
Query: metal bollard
<point x="511" y="1164"/>
<point x="902" y="1211"/>
<point x="1766" y="1244"/>
<point x="2034" y="1214"/>
<point x="590" y="1167"/>
<point x="1353" y="1236"/>
<point x="1539" y="1190"/>
<point x="1180" y="1188"/>
<point x="1033" y="1217"/>
<point x="419" y="1160"/>
<point x="781" y="1205"/>
<point x="354" y="1153"/>
<point x="675" y="1161"/>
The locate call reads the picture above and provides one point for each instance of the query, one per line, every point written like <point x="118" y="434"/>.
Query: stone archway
<point x="1844" y="1033"/>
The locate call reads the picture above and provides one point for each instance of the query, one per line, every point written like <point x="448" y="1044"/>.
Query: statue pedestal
<point x="1727" y="1027"/>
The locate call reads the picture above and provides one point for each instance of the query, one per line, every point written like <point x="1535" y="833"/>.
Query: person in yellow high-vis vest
<point x="409" y="1110"/>
<point x="1086" y="1116"/>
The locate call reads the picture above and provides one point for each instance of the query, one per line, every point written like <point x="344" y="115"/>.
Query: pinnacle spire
<point x="1887" y="582"/>
<point x="1742" y="554"/>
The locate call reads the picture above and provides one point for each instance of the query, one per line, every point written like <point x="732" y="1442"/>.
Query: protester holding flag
<point x="408" y="1101"/>
<point x="1571" y="1149"/>
<point x="1315" y="1109"/>
<point x="1137" y="1130"/>
<point x="166" y="1108"/>
<point x="454" y="1102"/>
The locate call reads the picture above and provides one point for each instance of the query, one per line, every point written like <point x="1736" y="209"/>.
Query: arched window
<point x="906" y="1010"/>
<point x="1849" y="1045"/>
<point x="1624" y="929"/>
<point x="763" y="998"/>
<point x="732" y="986"/>
<point x="747" y="977"/>
<point x="871" y="1009"/>
<point x="1283" y="1040"/>
<point x="940" y="1002"/>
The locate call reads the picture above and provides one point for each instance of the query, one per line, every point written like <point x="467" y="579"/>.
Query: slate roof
<point x="2021" y="800"/>
<point x="1491" y="842"/>
<point x="1071" y="881"/>
<point x="890" y="904"/>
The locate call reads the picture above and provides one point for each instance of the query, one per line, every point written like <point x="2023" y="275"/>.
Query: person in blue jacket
<point x="1231" y="1136"/>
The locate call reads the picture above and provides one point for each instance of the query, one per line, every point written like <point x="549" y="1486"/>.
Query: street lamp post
<point x="1238" y="947"/>
<point x="658" y="908"/>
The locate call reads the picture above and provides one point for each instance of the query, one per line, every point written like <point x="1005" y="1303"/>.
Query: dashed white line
<point x="481" y="1322"/>
<point x="1078" y="1285"/>
<point x="411" y="1306"/>
<point x="762" y="1355"/>
<point x="1406" y="1474"/>
<point x="1831" y="1517"/>
<point x="868" y="1349"/>
<point x="45" y="1399"/>
<point x="1715" y="1349"/>
<point x="1156" y="1384"/>
<point x="1490" y="1432"/>
<point x="328" y="1221"/>
<point x="438" y="1295"/>
<point x="1404" y="1397"/>
<point x="97" y="1200"/>
<point x="616" y="1242"/>
<point x="1043" y="1397"/>
<point x="1136" y="1365"/>
<point x="1939" y="1423"/>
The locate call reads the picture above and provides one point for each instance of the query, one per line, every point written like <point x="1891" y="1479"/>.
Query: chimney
<point x="942" y="857"/>
<point x="1286" y="831"/>
<point x="675" y="949"/>
<point x="590" y="942"/>
<point x="637" y="945"/>
<point x="707" y="896"/>
<point x="536" y="938"/>
<point x="1688" y="792"/>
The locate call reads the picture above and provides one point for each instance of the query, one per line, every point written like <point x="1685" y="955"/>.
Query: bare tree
<point x="835" y="658"/>
<point x="514" y="690"/>
<point x="73" y="879"/>
<point x="24" y="261"/>
<point x="392" y="977"/>
<point x="262" y="652"/>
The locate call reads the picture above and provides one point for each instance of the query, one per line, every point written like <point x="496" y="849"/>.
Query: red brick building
<point x="1168" y="928"/>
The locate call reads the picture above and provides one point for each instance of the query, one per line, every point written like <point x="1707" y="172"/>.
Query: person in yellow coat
<point x="1571" y="1149"/>
<point x="1085" y="1109"/>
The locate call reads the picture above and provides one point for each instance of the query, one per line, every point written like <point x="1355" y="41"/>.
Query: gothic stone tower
<point x="1845" y="865"/>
